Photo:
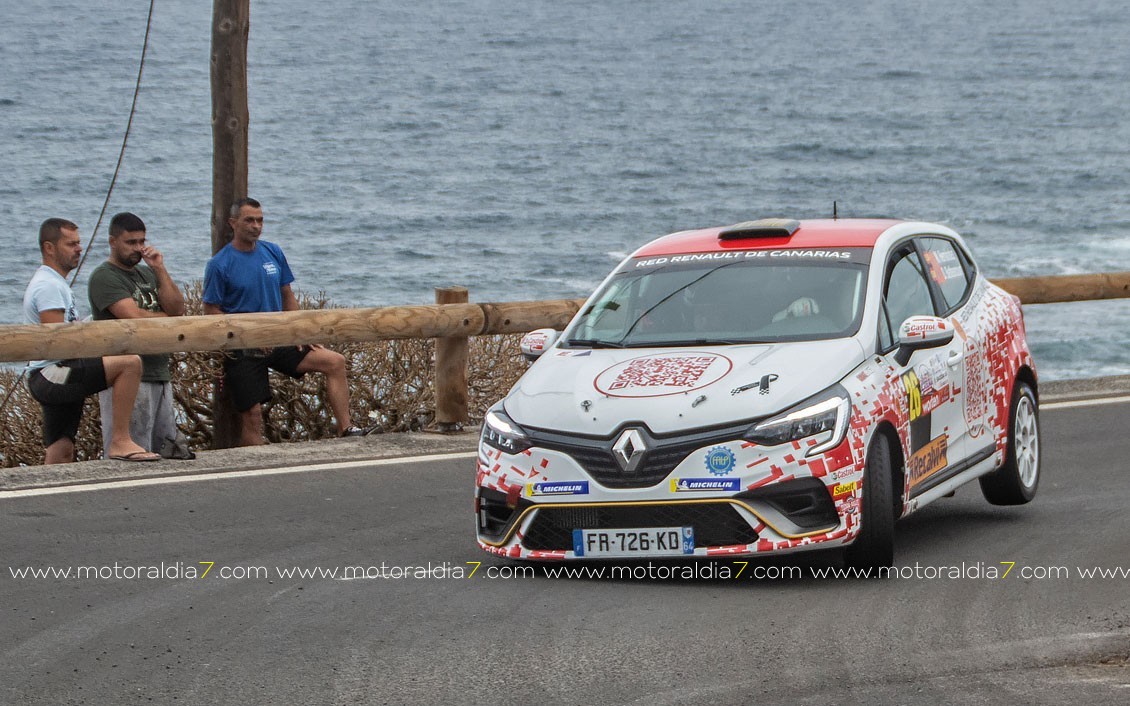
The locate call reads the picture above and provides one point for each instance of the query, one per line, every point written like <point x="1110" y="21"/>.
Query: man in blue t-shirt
<point x="249" y="275"/>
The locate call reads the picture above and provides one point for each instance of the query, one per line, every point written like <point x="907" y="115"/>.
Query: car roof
<point x="821" y="233"/>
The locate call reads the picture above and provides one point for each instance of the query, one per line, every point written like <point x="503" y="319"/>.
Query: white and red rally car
<point x="767" y="387"/>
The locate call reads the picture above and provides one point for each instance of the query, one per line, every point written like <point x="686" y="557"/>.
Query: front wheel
<point x="1015" y="482"/>
<point x="874" y="547"/>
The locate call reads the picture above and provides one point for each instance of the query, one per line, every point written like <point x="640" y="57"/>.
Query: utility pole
<point x="231" y="20"/>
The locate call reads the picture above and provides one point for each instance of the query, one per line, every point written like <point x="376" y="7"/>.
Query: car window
<point x="907" y="292"/>
<point x="886" y="338"/>
<point x="739" y="299"/>
<point x="944" y="266"/>
<point x="609" y="313"/>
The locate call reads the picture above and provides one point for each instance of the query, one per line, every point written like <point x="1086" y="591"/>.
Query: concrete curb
<point x="359" y="449"/>
<point x="371" y="447"/>
<point x="1064" y="390"/>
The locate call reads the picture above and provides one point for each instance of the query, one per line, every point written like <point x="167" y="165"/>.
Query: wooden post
<point x="231" y="20"/>
<point x="451" y="370"/>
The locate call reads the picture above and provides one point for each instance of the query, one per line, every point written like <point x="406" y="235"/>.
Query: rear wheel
<point x="1016" y="481"/>
<point x="875" y="545"/>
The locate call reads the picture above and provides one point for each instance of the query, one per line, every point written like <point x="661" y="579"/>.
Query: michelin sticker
<point x="572" y="487"/>
<point x="705" y="485"/>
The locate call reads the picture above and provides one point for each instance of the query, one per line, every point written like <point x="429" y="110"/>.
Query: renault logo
<point x="629" y="449"/>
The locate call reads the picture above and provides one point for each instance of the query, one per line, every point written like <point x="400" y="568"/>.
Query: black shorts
<point x="245" y="372"/>
<point x="61" y="389"/>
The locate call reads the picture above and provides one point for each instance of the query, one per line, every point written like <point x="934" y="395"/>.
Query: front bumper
<point x="770" y="499"/>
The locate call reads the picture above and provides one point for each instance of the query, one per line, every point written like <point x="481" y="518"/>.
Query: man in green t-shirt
<point x="123" y="288"/>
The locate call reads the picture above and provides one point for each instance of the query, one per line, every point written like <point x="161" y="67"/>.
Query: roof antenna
<point x="835" y="212"/>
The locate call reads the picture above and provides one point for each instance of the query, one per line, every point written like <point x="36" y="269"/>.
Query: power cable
<point x="125" y="140"/>
<point x="113" y="179"/>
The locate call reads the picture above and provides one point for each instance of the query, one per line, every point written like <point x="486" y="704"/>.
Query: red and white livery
<point x="767" y="387"/>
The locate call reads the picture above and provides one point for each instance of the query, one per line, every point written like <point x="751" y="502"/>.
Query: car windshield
<point x="720" y="300"/>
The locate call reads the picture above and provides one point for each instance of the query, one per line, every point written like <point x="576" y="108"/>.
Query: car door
<point x="953" y="278"/>
<point x="931" y="378"/>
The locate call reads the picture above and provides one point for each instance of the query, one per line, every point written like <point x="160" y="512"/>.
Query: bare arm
<point x="212" y="309"/>
<point x="169" y="295"/>
<point x="51" y="316"/>
<point x="128" y="309"/>
<point x="289" y="301"/>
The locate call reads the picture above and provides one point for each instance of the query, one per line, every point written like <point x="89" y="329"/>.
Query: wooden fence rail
<point x="1068" y="288"/>
<point x="235" y="331"/>
<point x="444" y="321"/>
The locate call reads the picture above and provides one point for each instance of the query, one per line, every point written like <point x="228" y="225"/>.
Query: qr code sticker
<point x="662" y="372"/>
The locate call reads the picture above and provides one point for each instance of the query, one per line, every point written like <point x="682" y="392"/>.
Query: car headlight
<point x="825" y="415"/>
<point x="502" y="433"/>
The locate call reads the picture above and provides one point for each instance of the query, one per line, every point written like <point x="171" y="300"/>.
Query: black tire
<point x="1016" y="481"/>
<point x="874" y="547"/>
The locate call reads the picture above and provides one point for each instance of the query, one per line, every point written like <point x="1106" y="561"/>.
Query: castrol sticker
<point x="534" y="342"/>
<point x="921" y="327"/>
<point x="664" y="374"/>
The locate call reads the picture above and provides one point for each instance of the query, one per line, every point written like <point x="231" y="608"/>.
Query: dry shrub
<point x="494" y="364"/>
<point x="390" y="389"/>
<point x="21" y="435"/>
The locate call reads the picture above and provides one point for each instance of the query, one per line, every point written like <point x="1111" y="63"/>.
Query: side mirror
<point x="920" y="332"/>
<point x="537" y="342"/>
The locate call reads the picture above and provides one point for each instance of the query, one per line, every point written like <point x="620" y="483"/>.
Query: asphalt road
<point x="1034" y="636"/>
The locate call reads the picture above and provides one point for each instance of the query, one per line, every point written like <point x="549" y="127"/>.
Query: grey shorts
<point x="152" y="420"/>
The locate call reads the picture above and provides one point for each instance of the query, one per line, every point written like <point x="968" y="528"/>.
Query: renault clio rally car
<point x="767" y="387"/>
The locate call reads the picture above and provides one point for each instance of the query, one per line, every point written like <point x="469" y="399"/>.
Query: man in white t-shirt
<point x="60" y="386"/>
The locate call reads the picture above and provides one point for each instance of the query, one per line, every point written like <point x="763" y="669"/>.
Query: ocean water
<point x="521" y="148"/>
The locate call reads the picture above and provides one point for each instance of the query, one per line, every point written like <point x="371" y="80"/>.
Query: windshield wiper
<point x="704" y="342"/>
<point x="593" y="343"/>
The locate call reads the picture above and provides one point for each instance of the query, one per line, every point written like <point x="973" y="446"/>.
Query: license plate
<point x="649" y="541"/>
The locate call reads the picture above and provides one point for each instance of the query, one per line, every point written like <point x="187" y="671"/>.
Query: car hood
<point x="594" y="392"/>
